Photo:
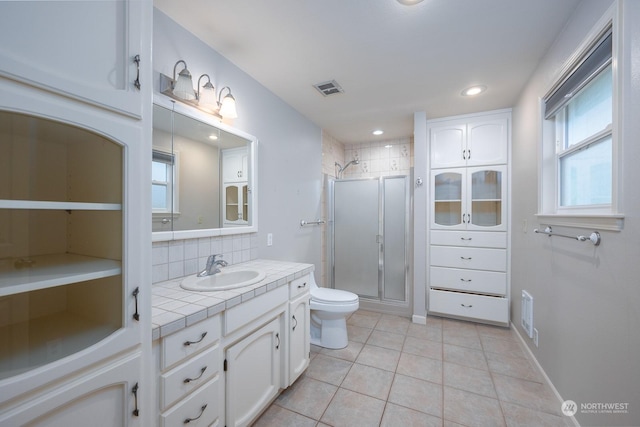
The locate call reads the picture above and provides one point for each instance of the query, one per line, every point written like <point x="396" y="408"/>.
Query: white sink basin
<point x="226" y="279"/>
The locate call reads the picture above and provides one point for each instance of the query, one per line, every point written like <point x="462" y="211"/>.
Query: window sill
<point x="610" y="222"/>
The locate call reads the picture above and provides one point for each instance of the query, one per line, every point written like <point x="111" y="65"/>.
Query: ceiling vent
<point x="329" y="88"/>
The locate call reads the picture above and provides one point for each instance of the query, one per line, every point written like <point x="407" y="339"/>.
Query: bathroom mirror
<point x="203" y="175"/>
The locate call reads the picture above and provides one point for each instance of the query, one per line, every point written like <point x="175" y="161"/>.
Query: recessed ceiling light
<point x="388" y="146"/>
<point x="377" y="132"/>
<point x="409" y="2"/>
<point x="474" y="90"/>
<point x="213" y="137"/>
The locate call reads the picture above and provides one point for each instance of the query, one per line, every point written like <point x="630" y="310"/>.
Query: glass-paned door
<point x="448" y="199"/>
<point x="487" y="203"/>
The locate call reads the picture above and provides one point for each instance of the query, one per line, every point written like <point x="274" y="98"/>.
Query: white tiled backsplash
<point x="179" y="258"/>
<point x="381" y="158"/>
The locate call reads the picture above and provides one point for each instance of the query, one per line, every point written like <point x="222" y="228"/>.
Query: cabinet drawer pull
<point x="303" y="285"/>
<point x="296" y="320"/>
<point x="467" y="306"/>
<point x="135" y="294"/>
<point x="278" y="338"/>
<point x="188" y="380"/>
<point x="466" y="258"/>
<point x="187" y="343"/>
<point x="465" y="280"/>
<point x="188" y="420"/>
<point x="136" y="82"/>
<point x="466" y="238"/>
<point x="134" y="390"/>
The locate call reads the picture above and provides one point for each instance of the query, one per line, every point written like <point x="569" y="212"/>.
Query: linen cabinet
<point x="74" y="151"/>
<point x="468" y="254"/>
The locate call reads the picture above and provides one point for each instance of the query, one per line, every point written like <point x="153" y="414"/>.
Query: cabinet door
<point x="81" y="49"/>
<point x="253" y="375"/>
<point x="487" y="142"/>
<point x="299" y="337"/>
<point x="447" y="144"/>
<point x="107" y="396"/>
<point x="449" y="205"/>
<point x="487" y="204"/>
<point x="235" y="165"/>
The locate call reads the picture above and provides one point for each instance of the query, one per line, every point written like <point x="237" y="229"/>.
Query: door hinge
<point x="224" y="365"/>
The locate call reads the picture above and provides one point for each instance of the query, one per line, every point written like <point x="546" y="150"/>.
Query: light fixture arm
<point x="220" y="94"/>
<point x="207" y="85"/>
<point x="176" y="66"/>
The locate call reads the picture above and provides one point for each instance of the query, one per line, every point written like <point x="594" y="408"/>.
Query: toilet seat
<point x="328" y="296"/>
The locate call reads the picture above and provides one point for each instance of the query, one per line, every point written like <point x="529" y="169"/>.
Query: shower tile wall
<point x="178" y="258"/>
<point x="383" y="158"/>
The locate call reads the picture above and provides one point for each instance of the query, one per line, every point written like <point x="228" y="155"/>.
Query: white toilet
<point x="329" y="311"/>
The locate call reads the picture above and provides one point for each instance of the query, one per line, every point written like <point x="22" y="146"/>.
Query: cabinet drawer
<point x="485" y="282"/>
<point x="188" y="376"/>
<point x="193" y="407"/>
<point x="480" y="307"/>
<point x="189" y="341"/>
<point x="478" y="239"/>
<point x="299" y="286"/>
<point x="471" y="258"/>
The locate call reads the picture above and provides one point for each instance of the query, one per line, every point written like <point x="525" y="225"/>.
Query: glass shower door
<point x="357" y="236"/>
<point x="395" y="238"/>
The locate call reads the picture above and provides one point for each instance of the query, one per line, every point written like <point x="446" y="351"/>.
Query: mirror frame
<point x="194" y="113"/>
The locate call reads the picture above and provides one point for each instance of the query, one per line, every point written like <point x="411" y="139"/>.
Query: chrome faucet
<point x="213" y="265"/>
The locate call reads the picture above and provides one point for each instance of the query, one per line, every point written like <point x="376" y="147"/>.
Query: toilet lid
<point x="333" y="295"/>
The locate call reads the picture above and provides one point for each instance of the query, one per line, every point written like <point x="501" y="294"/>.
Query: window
<point x="578" y="138"/>
<point x="162" y="179"/>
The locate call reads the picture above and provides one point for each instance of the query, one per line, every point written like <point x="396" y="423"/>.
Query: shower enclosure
<point x="368" y="241"/>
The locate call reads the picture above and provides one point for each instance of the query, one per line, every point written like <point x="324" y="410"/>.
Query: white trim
<point x="613" y="222"/>
<point x="543" y="373"/>
<point x="420" y="320"/>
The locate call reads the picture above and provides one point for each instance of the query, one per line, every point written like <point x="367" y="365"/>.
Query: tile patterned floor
<point x="396" y="373"/>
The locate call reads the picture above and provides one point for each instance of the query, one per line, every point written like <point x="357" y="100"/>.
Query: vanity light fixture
<point x="207" y="96"/>
<point x="227" y="105"/>
<point x="183" y="85"/>
<point x="180" y="88"/>
<point x="474" y="90"/>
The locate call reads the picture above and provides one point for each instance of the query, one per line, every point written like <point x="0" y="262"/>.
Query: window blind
<point x="595" y="60"/>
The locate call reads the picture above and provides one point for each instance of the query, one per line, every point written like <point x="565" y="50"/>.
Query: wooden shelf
<point x="26" y="274"/>
<point x="40" y="204"/>
<point x="39" y="341"/>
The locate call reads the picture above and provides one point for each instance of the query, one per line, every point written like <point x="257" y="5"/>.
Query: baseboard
<point x="421" y="320"/>
<point x="544" y="374"/>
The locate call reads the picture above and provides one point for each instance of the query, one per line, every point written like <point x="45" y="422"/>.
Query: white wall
<point x="587" y="299"/>
<point x="289" y="150"/>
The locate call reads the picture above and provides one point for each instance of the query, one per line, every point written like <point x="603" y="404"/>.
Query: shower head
<point x="341" y="168"/>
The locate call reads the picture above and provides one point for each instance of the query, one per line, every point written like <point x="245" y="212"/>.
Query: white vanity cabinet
<point x="253" y="372"/>
<point x="299" y="327"/>
<point x="85" y="50"/>
<point x="468" y="238"/>
<point x="189" y="380"/>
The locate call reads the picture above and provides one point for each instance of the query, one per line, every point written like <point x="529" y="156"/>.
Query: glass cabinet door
<point x="448" y="199"/>
<point x="231" y="203"/>
<point x="487" y="203"/>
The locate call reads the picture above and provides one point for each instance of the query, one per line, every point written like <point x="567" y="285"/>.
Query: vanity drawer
<point x="299" y="286"/>
<point x="184" y="378"/>
<point x="193" y="407"/>
<point x="485" y="282"/>
<point x="472" y="258"/>
<point x="480" y="307"/>
<point x="189" y="341"/>
<point x="478" y="239"/>
<point x="242" y="314"/>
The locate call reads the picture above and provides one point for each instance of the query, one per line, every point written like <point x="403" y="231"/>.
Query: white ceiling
<point x="390" y="59"/>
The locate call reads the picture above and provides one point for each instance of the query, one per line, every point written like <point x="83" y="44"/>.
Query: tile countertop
<point x="174" y="308"/>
